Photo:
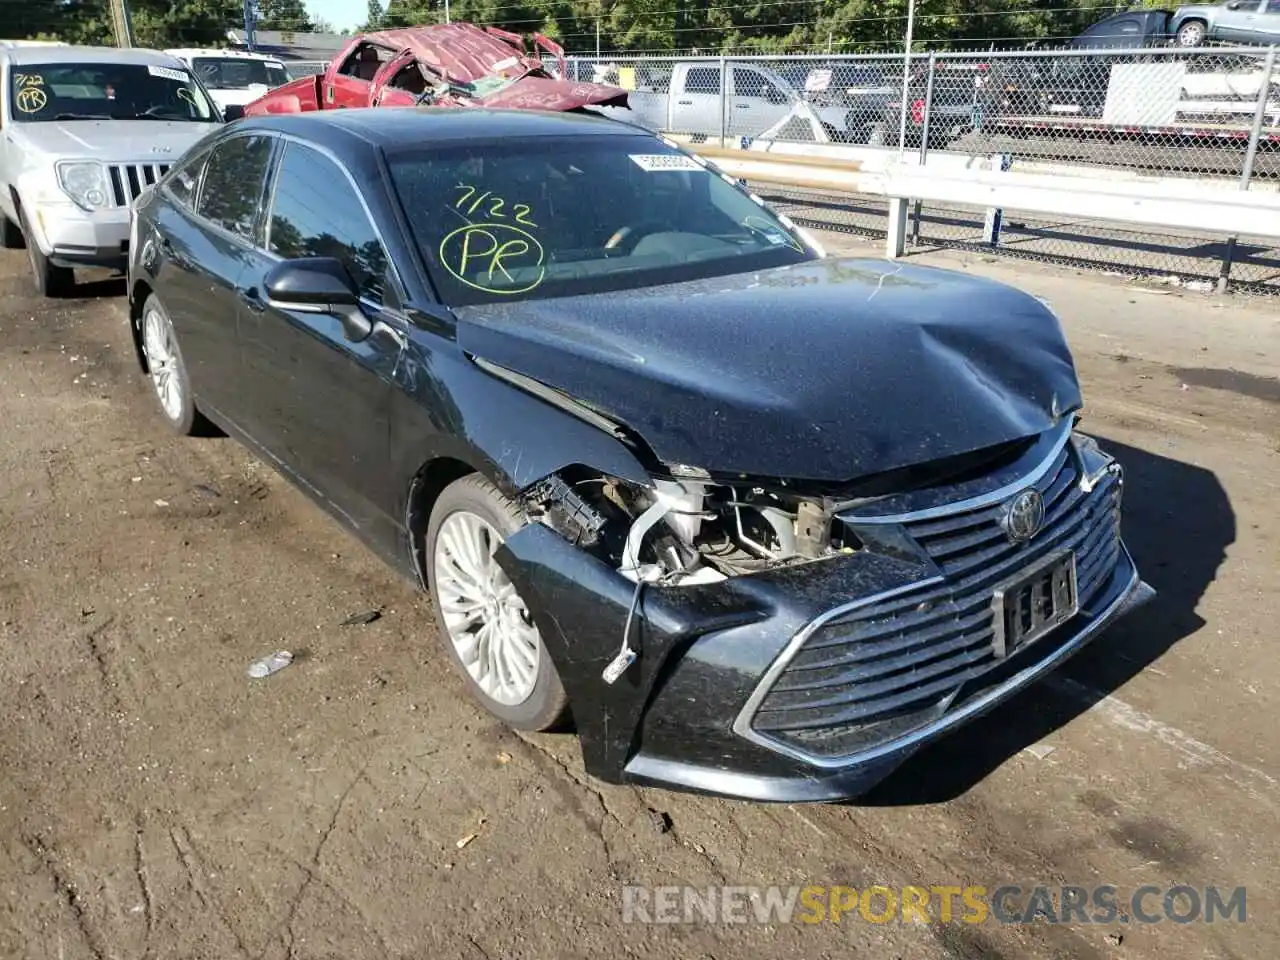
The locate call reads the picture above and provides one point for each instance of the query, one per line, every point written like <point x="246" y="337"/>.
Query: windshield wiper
<point x="171" y="118"/>
<point x="82" y="116"/>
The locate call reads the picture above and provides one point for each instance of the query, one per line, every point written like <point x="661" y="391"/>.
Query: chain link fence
<point x="1210" y="114"/>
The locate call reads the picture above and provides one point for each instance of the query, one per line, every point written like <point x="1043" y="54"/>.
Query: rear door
<point x="320" y="403"/>
<point x="208" y="227"/>
<point x="757" y="102"/>
<point x="695" y="100"/>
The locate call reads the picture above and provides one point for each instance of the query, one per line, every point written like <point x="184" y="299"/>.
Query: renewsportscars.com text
<point x="1102" y="904"/>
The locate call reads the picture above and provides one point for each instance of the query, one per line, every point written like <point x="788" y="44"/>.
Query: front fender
<point x="450" y="408"/>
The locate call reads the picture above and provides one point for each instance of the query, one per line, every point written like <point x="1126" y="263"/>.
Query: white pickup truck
<point x="757" y="100"/>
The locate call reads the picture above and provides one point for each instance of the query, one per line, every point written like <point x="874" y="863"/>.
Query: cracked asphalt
<point x="155" y="802"/>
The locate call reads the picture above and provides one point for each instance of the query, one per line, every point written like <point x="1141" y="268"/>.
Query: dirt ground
<point x="155" y="802"/>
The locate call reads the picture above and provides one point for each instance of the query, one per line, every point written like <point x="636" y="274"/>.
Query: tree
<point x="657" y="26"/>
<point x="283" y="15"/>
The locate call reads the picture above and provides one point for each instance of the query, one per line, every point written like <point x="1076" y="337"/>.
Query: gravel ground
<point x="156" y="803"/>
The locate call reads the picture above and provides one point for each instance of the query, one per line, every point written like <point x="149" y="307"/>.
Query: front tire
<point x="484" y="623"/>
<point x="50" y="280"/>
<point x="167" y="371"/>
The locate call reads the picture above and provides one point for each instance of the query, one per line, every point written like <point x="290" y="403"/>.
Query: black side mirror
<point x="318" y="285"/>
<point x="233" y="111"/>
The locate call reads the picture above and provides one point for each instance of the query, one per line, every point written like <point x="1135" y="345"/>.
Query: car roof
<point x="229" y="54"/>
<point x="390" y="128"/>
<point x="29" y="56"/>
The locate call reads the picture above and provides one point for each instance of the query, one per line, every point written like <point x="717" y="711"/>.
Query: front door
<point x="321" y="402"/>
<point x="351" y="84"/>
<point x="1267" y="26"/>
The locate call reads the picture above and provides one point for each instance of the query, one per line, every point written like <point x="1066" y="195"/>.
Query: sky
<point x="343" y="14"/>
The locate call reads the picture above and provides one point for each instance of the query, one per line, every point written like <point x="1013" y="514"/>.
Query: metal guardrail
<point x="986" y="184"/>
<point x="1169" y="113"/>
<point x="1165" y="113"/>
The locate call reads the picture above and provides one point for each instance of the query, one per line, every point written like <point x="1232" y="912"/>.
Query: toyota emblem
<point x="1025" y="515"/>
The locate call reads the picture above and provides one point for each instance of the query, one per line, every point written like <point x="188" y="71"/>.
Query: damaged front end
<point x="745" y="637"/>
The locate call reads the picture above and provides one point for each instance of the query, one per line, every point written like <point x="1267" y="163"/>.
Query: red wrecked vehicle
<point x="448" y="64"/>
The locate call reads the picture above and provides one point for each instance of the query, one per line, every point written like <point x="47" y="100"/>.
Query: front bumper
<point x="855" y="774"/>
<point x="814" y="682"/>
<point x="70" y="237"/>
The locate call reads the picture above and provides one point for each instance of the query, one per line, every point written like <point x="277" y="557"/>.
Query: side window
<point x="747" y="83"/>
<point x="1273" y="6"/>
<point x="702" y="80"/>
<point x="365" y="61"/>
<point x="184" y="183"/>
<point x="232" y="191"/>
<point x="317" y="213"/>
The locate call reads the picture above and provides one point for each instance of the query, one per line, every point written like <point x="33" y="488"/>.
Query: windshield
<point x="238" y="73"/>
<point x="106" y="91"/>
<point x="563" y="216"/>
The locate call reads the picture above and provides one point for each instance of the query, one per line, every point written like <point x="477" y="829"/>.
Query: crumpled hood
<point x="546" y="93"/>
<point x="113" y="141"/>
<point x="828" y="370"/>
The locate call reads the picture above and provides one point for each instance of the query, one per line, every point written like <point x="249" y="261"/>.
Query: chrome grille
<point x="128" y="180"/>
<point x="889" y="666"/>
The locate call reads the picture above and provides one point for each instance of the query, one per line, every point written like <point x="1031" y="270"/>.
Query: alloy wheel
<point x="162" y="360"/>
<point x="488" y="622"/>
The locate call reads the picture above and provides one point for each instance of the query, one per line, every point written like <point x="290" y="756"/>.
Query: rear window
<point x="238" y="73"/>
<point x="563" y="216"/>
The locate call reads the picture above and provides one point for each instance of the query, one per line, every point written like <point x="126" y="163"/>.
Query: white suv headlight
<point x="85" y="182"/>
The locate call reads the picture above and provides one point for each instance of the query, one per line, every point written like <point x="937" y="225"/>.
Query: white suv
<point x="233" y="77"/>
<point x="84" y="131"/>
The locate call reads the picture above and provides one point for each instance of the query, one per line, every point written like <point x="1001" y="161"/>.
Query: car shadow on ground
<point x="1178" y="523"/>
<point x="98" y="286"/>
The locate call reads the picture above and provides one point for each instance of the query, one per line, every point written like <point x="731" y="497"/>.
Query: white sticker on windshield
<point x="168" y="73"/>
<point x="657" y="162"/>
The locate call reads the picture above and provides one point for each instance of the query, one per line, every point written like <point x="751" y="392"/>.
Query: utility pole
<point x="446" y="11"/>
<point x="250" y="25"/>
<point x="906" y="78"/>
<point x="121" y="25"/>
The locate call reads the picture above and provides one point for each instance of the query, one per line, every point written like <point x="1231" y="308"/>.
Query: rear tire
<point x="10" y="234"/>
<point x="167" y="371"/>
<point x="50" y="280"/>
<point x="483" y="622"/>
<point x="1192" y="33"/>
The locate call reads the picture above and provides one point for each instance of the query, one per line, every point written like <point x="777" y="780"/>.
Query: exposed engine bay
<point x="684" y="530"/>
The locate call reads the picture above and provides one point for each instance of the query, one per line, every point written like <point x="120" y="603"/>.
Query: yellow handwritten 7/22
<point x="490" y="206"/>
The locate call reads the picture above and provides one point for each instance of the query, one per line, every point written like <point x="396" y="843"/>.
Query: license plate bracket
<point x="1037" y="599"/>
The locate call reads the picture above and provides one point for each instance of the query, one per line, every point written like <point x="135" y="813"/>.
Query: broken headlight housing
<point x="684" y="528"/>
